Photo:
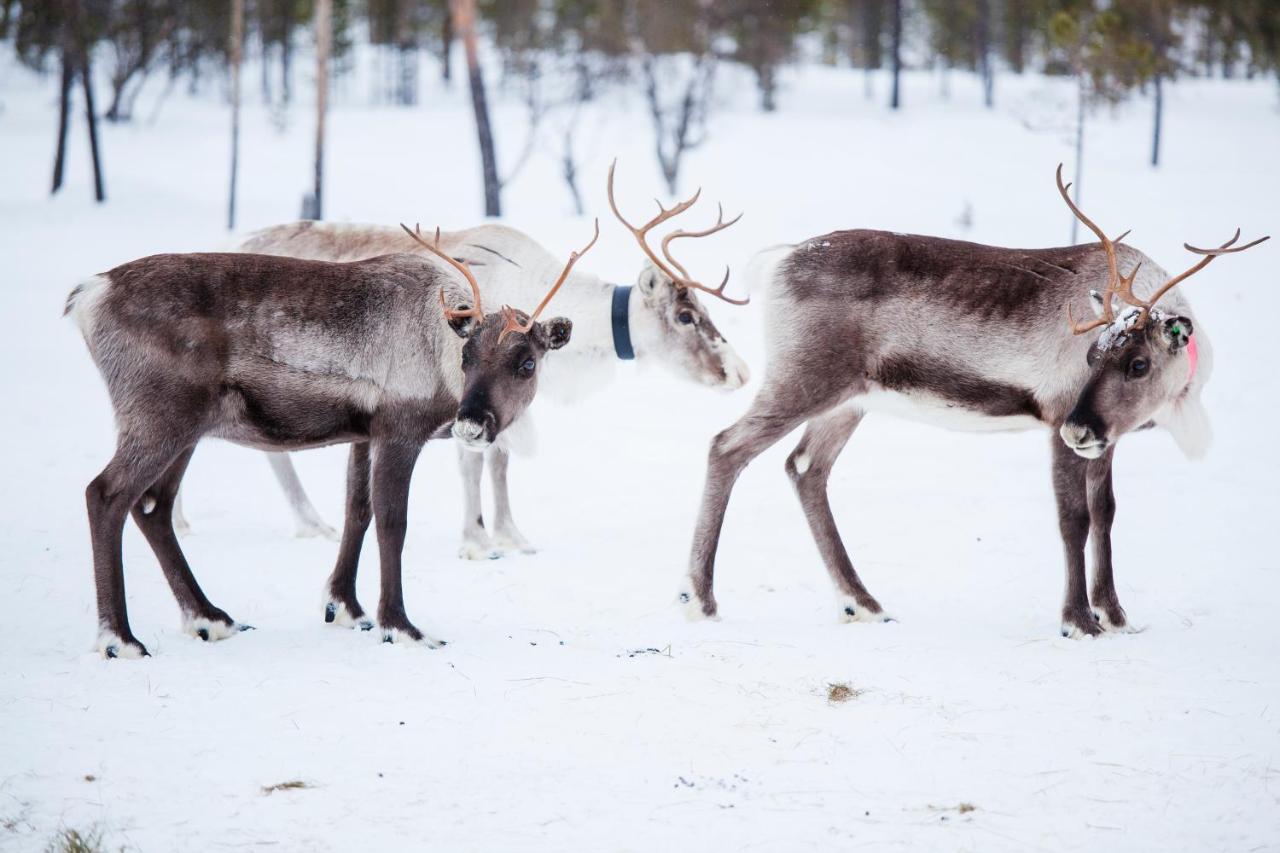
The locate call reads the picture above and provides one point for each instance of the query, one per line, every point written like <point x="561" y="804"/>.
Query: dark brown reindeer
<point x="278" y="353"/>
<point x="971" y="336"/>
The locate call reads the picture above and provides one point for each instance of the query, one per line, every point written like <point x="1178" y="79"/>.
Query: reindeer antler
<point x="1122" y="286"/>
<point x="461" y="266"/>
<point x="1115" y="283"/>
<point x="671" y="267"/>
<point x="1209" y="255"/>
<point x="513" y="323"/>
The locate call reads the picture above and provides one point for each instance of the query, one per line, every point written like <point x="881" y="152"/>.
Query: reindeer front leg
<point x="475" y="539"/>
<point x="505" y="533"/>
<point x="340" y="605"/>
<point x="1102" y="512"/>
<point x="1070" y="490"/>
<point x="393" y="463"/>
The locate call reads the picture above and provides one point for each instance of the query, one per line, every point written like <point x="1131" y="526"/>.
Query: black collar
<point x="622" y="323"/>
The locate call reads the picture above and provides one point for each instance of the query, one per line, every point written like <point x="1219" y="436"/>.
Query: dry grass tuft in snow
<point x="73" y="841"/>
<point x="840" y="692"/>
<point x="291" y="785"/>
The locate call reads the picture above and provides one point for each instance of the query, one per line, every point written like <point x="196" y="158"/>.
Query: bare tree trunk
<point x="64" y="111"/>
<point x="324" y="38"/>
<point x="86" y="73"/>
<point x="286" y="56"/>
<point x="1079" y="180"/>
<point x="984" y="54"/>
<point x="1159" y="118"/>
<point x="895" y="100"/>
<point x="446" y="38"/>
<point x="236" y="57"/>
<point x="464" y="20"/>
<point x="569" y="166"/>
<point x="767" y="81"/>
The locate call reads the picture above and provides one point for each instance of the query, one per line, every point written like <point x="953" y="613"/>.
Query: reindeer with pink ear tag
<point x="969" y="337"/>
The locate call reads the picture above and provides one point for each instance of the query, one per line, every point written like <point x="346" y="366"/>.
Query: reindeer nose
<point x="474" y="430"/>
<point x="1082" y="440"/>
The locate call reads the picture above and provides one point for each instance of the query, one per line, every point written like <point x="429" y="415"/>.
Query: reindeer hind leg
<point x="774" y="413"/>
<point x="809" y="467"/>
<point x="153" y="513"/>
<point x="138" y="462"/>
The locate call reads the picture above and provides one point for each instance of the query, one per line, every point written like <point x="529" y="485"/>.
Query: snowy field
<point x="549" y="722"/>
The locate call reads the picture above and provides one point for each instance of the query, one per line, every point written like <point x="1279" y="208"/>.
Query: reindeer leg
<point x="770" y="417"/>
<point x="139" y="460"/>
<point x="809" y="467"/>
<point x="505" y="533"/>
<point x="392" y="470"/>
<point x="1102" y="512"/>
<point x="305" y="515"/>
<point x="475" y="539"/>
<point x="341" y="605"/>
<point x="1069" y="488"/>
<point x="153" y="514"/>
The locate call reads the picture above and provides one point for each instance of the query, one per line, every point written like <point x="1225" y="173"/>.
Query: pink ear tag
<point x="1193" y="356"/>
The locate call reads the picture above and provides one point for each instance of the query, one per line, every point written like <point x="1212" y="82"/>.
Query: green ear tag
<point x="1177" y="330"/>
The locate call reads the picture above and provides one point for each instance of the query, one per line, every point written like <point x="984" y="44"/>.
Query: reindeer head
<point x="501" y="355"/>
<point x="671" y="324"/>
<point x="1144" y="360"/>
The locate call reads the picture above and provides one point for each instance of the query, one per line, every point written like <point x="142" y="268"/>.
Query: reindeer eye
<point x="527" y="366"/>
<point x="1138" y="368"/>
<point x="685" y="317"/>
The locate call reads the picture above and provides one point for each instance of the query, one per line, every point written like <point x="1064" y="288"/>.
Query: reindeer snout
<point x="1082" y="440"/>
<point x="475" y="430"/>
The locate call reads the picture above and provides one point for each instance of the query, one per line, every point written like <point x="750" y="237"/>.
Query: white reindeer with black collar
<point x="279" y="353"/>
<point x="659" y="320"/>
<point x="971" y="336"/>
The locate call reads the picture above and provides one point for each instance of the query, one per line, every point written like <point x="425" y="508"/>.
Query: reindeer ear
<point x="464" y="327"/>
<point x="557" y="331"/>
<point x="1095" y="302"/>
<point x="1176" y="332"/>
<point x="650" y="281"/>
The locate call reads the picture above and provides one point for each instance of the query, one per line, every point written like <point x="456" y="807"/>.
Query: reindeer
<point x="280" y="353"/>
<point x="968" y="336"/>
<point x="660" y="320"/>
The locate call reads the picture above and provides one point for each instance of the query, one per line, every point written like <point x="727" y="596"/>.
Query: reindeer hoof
<point x="696" y="610"/>
<point x="212" y="630"/>
<point x="111" y="646"/>
<point x="410" y="636"/>
<point x="1115" y="622"/>
<point x="852" y="610"/>
<point x="478" y="551"/>
<point x="346" y="615"/>
<point x="513" y="543"/>
<point x="1078" y="625"/>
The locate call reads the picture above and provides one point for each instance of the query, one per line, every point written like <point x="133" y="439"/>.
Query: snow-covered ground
<point x="549" y="722"/>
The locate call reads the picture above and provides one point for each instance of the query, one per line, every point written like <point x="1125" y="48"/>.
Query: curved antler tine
<point x="475" y="310"/>
<point x="1081" y="328"/>
<point x="640" y="233"/>
<point x="717" y="291"/>
<point x="719" y="225"/>
<point x="1122" y="236"/>
<point x="1125" y="290"/>
<point x="1226" y="248"/>
<point x="1113" y="266"/>
<point x="512" y="325"/>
